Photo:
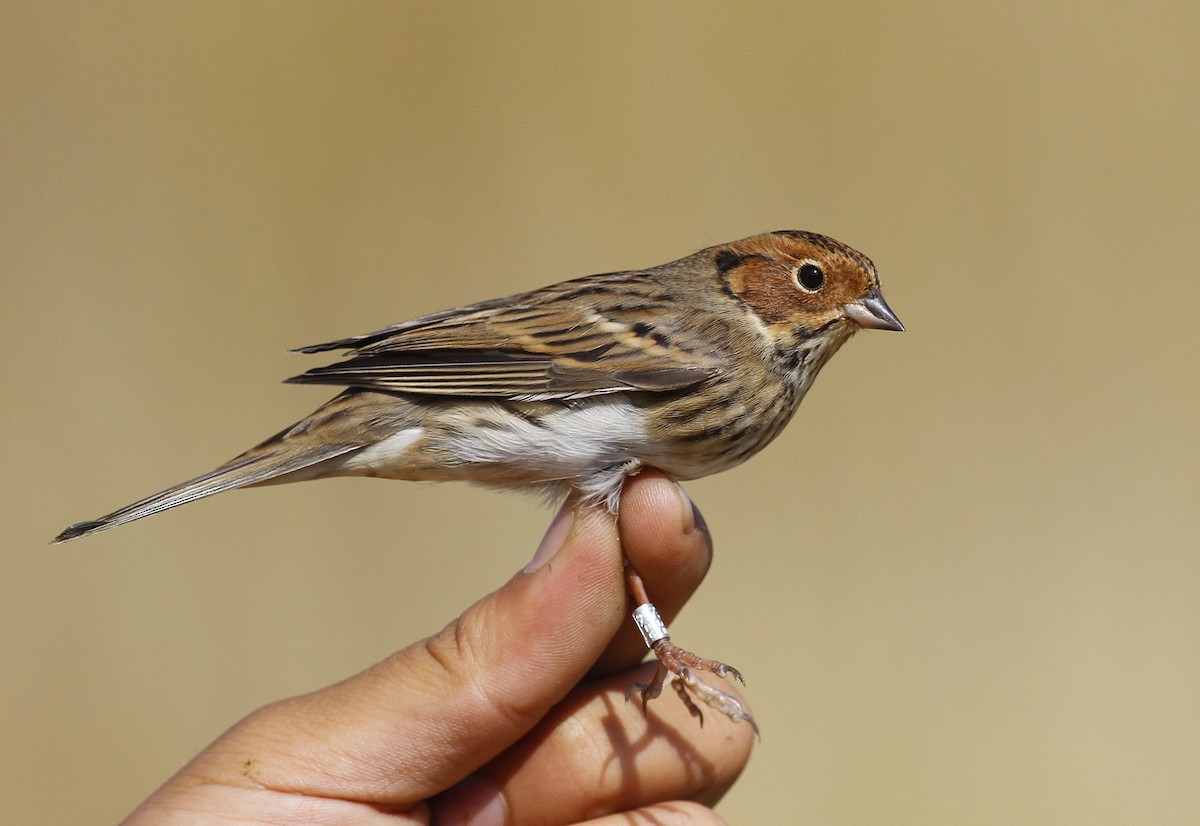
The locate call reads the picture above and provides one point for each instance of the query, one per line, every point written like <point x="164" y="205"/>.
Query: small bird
<point x="690" y="367"/>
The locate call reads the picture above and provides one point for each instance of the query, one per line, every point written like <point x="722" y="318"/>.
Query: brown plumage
<point x="691" y="367"/>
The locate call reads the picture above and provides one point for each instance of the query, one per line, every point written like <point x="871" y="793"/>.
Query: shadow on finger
<point x="601" y="754"/>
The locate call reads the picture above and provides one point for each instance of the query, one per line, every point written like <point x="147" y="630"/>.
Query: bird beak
<point x="873" y="313"/>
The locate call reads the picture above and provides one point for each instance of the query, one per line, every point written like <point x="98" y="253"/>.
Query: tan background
<point x="964" y="583"/>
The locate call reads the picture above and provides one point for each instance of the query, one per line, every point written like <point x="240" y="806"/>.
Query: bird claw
<point x="649" y="691"/>
<point x="678" y="663"/>
<point x="730" y="671"/>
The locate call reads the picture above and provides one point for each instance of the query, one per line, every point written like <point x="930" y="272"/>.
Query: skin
<point x="476" y="723"/>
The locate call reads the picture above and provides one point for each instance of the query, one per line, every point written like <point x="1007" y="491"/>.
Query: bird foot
<point x="679" y="665"/>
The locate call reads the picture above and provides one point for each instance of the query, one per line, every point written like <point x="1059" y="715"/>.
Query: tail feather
<point x="267" y="462"/>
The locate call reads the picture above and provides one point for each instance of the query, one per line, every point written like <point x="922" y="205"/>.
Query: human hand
<point x="512" y="714"/>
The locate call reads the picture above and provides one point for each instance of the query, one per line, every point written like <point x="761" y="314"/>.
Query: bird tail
<point x="275" y="458"/>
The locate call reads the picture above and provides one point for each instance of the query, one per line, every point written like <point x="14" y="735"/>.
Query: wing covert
<point x="540" y="345"/>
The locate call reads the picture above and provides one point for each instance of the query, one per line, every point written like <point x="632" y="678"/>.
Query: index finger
<point x="427" y="716"/>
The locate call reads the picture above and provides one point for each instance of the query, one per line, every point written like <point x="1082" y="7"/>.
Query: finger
<point x="672" y="813"/>
<point x="421" y="720"/>
<point x="666" y="540"/>
<point x="601" y="755"/>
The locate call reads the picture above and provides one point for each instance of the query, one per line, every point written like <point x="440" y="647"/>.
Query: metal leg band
<point x="650" y="624"/>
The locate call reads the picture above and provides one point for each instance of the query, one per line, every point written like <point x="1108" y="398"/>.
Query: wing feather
<point x="547" y="344"/>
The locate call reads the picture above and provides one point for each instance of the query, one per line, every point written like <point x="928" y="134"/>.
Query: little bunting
<point x="690" y="367"/>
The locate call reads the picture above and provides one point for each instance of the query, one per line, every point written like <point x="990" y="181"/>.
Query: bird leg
<point x="680" y="664"/>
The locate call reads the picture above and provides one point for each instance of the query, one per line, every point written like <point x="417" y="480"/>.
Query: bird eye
<point x="810" y="277"/>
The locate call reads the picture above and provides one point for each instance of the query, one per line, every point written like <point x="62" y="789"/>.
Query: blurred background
<point x="977" y="546"/>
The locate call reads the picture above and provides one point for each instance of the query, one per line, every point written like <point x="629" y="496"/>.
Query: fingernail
<point x="473" y="801"/>
<point x="690" y="516"/>
<point x="555" y="536"/>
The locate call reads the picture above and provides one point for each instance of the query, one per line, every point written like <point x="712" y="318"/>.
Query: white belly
<point x="587" y="446"/>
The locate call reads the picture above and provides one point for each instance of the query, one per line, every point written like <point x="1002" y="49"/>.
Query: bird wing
<point x="567" y="341"/>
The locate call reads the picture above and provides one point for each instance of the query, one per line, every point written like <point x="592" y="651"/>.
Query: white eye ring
<point x="809" y="276"/>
